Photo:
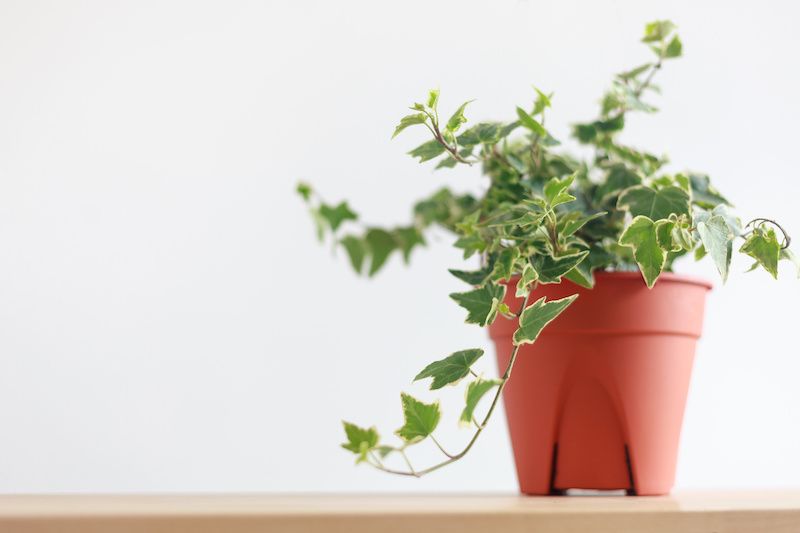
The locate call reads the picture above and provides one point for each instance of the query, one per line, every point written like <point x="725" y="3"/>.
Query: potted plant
<point x="597" y="398"/>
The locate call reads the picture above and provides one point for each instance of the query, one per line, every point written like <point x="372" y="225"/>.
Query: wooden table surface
<point x="712" y="512"/>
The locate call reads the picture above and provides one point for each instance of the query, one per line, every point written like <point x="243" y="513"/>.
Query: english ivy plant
<point x="545" y="216"/>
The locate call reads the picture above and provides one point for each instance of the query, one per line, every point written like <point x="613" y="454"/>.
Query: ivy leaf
<point x="409" y="120"/>
<point x="427" y="151"/>
<point x="504" y="265"/>
<point x="634" y="73"/>
<point x="657" y="31"/>
<point x="356" y="251"/>
<point x="483" y="133"/>
<point x="537" y="315"/>
<point x="665" y="237"/>
<point x="337" y="214"/>
<point x="542" y="101"/>
<point x="481" y="304"/>
<point x="550" y="269"/>
<point x="763" y="246"/>
<point x="556" y="191"/>
<point x="475" y="391"/>
<point x="573" y="225"/>
<point x="703" y="193"/>
<point x="531" y="123"/>
<point x="581" y="275"/>
<point x="420" y="419"/>
<point x="674" y="48"/>
<point x="381" y="244"/>
<point x="717" y="240"/>
<point x="641" y="236"/>
<point x="451" y="369"/>
<point x="458" y="118"/>
<point x="304" y="190"/>
<point x="619" y="178"/>
<point x="529" y="275"/>
<point x="433" y="98"/>
<point x="641" y="200"/>
<point x="360" y="441"/>
<point x="476" y="277"/>
<point x="470" y="244"/>
<point x="319" y="223"/>
<point x="407" y="239"/>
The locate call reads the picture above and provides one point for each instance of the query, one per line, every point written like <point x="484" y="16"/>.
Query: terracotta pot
<point x="597" y="402"/>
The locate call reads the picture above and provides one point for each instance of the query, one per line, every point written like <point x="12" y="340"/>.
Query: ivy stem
<point x="453" y="151"/>
<point x="441" y="448"/>
<point x="786" y="238"/>
<point x="480" y="427"/>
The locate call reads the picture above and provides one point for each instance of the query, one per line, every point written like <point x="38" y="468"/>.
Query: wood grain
<point x="717" y="512"/>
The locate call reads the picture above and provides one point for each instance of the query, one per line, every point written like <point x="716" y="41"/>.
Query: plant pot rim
<point x="636" y="277"/>
<point x="669" y="277"/>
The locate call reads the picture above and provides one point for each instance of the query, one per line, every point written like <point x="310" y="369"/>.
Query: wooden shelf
<point x="718" y="512"/>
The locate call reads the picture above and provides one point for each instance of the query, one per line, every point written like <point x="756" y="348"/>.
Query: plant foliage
<point x="545" y="216"/>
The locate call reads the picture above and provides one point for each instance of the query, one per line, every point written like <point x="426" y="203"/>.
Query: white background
<point x="167" y="320"/>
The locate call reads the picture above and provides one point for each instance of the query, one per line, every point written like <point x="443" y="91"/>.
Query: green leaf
<point x="542" y="101"/>
<point x="641" y="236"/>
<point x="531" y="123"/>
<point x="529" y="275"/>
<point x="538" y="315"/>
<point x="610" y="125"/>
<point x="470" y="244"/>
<point x="699" y="253"/>
<point x="551" y="269"/>
<point x="360" y="441"/>
<point x="356" y="251"/>
<point x="763" y="246"/>
<point x="304" y="190"/>
<point x="337" y="214"/>
<point x="482" y="133"/>
<point x="427" y="151"/>
<point x="504" y="266"/>
<point x="581" y="275"/>
<point x="409" y="120"/>
<point x="717" y="240"/>
<point x="481" y="304"/>
<point x="319" y="223"/>
<point x="657" y="31"/>
<point x="641" y="200"/>
<point x="451" y="369"/>
<point x="665" y="237"/>
<point x="476" y="277"/>
<point x="574" y="225"/>
<point x="674" y="48"/>
<point x="458" y="118"/>
<point x="619" y="178"/>
<point x="475" y="391"/>
<point x="384" y="450"/>
<point x="420" y="419"/>
<point x="634" y="73"/>
<point x="407" y="239"/>
<point x="381" y="244"/>
<point x="704" y="194"/>
<point x="556" y="191"/>
<point x="433" y="98"/>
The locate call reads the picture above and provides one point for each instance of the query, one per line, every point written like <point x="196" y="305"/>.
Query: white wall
<point x="167" y="321"/>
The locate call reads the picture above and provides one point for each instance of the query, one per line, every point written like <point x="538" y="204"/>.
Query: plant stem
<point x="786" y="238"/>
